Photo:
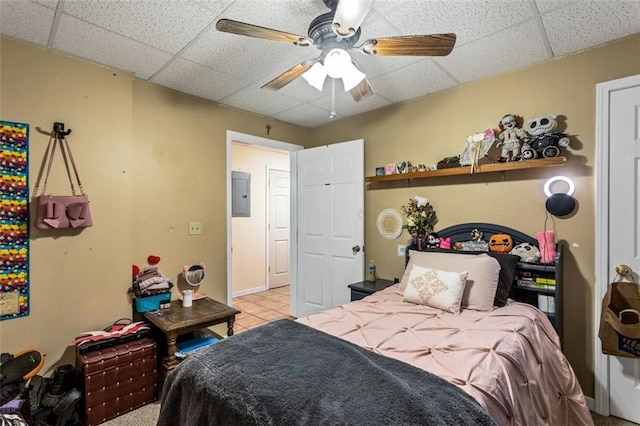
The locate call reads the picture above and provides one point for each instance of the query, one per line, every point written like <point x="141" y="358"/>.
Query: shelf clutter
<point x="466" y="170"/>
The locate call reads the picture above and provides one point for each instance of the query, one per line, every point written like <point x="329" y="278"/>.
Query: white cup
<point x="187" y="298"/>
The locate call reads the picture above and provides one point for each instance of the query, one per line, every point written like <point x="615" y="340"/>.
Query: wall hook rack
<point x="58" y="129"/>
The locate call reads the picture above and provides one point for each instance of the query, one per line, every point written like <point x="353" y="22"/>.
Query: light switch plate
<point x="402" y="249"/>
<point x="195" y="228"/>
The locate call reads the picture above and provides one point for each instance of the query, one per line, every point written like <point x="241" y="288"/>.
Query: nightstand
<point x="365" y="288"/>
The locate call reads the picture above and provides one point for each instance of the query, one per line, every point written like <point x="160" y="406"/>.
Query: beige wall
<point x="150" y="159"/>
<point x="249" y="234"/>
<point x="431" y="128"/>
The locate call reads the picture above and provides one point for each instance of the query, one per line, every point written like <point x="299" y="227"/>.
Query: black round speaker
<point x="560" y="204"/>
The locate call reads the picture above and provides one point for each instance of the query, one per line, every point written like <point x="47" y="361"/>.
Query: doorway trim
<point x="247" y="139"/>
<point x="601" y="361"/>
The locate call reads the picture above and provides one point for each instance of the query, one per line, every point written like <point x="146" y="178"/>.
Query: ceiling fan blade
<point x="250" y="30"/>
<point x="416" y="45"/>
<point x="349" y="15"/>
<point x="362" y="91"/>
<point x="289" y="75"/>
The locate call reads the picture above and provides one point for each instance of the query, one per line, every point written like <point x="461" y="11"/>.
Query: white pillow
<point x="482" y="280"/>
<point x="435" y="288"/>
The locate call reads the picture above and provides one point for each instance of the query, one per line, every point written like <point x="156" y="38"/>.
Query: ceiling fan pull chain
<point x="333" y="99"/>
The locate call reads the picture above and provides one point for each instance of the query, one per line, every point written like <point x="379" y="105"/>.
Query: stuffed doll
<point x="432" y="240"/>
<point x="543" y="141"/>
<point x="527" y="252"/>
<point x="511" y="137"/>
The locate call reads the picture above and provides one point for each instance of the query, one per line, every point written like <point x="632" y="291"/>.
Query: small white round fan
<point x="389" y="224"/>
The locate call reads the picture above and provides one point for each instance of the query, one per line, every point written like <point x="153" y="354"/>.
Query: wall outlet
<point x="402" y="249"/>
<point x="195" y="228"/>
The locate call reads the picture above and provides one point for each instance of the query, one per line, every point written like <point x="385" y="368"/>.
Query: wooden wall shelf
<point x="483" y="168"/>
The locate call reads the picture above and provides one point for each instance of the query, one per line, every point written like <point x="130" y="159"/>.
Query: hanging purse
<point x="620" y="319"/>
<point x="61" y="211"/>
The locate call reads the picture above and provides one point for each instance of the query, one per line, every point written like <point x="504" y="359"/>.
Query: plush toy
<point x="527" y="252"/>
<point x="432" y="240"/>
<point x="500" y="243"/>
<point x="445" y="243"/>
<point x="476" y="244"/>
<point x="511" y="136"/>
<point x="543" y="141"/>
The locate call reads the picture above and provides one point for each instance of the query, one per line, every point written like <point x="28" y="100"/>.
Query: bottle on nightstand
<point x="372" y="272"/>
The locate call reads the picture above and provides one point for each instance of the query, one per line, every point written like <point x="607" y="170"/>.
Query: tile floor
<point x="260" y="308"/>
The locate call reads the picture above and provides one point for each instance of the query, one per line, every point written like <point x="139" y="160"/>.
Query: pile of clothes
<point x="148" y="280"/>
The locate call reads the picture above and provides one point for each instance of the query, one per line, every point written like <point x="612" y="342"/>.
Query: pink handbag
<point x="61" y="211"/>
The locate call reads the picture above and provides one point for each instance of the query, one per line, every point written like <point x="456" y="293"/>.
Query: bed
<point x="387" y="360"/>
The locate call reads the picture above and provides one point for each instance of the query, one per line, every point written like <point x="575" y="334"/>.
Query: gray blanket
<point x="285" y="373"/>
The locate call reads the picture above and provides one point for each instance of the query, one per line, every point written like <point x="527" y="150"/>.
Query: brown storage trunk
<point x="117" y="380"/>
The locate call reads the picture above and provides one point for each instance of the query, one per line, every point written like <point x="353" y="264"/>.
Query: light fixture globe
<point x="336" y="61"/>
<point x="351" y="77"/>
<point x="316" y="76"/>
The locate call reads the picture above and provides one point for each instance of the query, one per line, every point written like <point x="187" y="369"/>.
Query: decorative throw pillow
<point x="482" y="280"/>
<point x="435" y="288"/>
<point x="508" y="264"/>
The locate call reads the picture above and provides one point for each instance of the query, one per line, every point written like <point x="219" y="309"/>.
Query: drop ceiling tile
<point x="246" y="57"/>
<point x="168" y="25"/>
<point x="216" y="6"/>
<point x="469" y="20"/>
<point x="51" y="4"/>
<point x="292" y="16"/>
<point x="105" y="47"/>
<point x="548" y="5"/>
<point x="507" y="50"/>
<point x="303" y="91"/>
<point x="304" y="115"/>
<point x="418" y="79"/>
<point x="26" y="21"/>
<point x="345" y="106"/>
<point x="198" y="80"/>
<point x="266" y="102"/>
<point x="590" y="23"/>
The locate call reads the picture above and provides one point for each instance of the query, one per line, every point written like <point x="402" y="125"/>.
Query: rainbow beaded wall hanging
<point x="14" y="220"/>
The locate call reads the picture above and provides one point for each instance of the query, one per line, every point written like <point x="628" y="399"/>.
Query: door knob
<point x="355" y="249"/>
<point x="623" y="270"/>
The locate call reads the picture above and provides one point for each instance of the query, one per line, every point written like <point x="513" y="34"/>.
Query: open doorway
<point x="258" y="242"/>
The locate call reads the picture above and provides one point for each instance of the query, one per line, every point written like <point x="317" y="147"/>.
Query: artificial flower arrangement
<point x="421" y="218"/>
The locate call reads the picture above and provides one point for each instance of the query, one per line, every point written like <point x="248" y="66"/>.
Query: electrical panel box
<point x="240" y="194"/>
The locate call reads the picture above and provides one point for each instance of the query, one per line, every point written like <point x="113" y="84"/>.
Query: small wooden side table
<point x="177" y="320"/>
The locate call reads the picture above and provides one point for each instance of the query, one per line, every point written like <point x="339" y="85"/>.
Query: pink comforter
<point x="509" y="359"/>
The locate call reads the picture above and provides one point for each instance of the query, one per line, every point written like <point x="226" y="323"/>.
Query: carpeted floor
<point x="148" y="416"/>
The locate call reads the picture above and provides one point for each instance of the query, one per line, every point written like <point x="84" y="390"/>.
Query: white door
<point x="330" y="237"/>
<point x="624" y="233"/>
<point x="278" y="229"/>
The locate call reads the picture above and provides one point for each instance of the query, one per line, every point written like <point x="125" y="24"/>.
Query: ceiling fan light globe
<point x="336" y="62"/>
<point x="351" y="77"/>
<point x="316" y="76"/>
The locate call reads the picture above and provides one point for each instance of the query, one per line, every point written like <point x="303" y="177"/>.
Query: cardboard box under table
<point x="117" y="379"/>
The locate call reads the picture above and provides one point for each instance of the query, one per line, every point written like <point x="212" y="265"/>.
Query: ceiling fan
<point x="334" y="33"/>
